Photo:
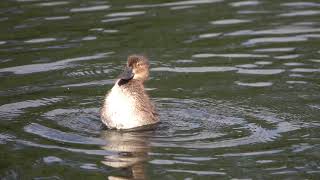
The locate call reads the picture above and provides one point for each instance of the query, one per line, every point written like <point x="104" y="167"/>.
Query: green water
<point x="236" y="84"/>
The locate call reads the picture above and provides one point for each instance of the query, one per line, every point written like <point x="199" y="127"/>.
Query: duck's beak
<point x="127" y="74"/>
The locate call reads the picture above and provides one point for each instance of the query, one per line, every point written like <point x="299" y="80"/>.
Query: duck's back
<point x="128" y="106"/>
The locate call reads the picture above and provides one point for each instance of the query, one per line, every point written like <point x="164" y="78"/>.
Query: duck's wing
<point x="142" y="100"/>
<point x="154" y="110"/>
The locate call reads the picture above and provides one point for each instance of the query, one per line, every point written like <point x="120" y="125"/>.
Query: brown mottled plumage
<point x="127" y="105"/>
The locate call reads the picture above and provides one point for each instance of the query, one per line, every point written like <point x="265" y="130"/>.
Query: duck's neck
<point x="122" y="82"/>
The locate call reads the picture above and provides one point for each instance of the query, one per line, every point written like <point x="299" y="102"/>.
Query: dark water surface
<point x="236" y="84"/>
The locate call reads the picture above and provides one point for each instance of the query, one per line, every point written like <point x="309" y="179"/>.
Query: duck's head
<point x="137" y="68"/>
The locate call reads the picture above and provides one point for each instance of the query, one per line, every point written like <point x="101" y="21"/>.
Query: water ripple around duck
<point x="204" y="129"/>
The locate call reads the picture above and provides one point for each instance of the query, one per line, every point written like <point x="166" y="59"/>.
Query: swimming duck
<point x="127" y="104"/>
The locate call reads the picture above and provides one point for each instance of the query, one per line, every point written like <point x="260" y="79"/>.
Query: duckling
<point x="127" y="105"/>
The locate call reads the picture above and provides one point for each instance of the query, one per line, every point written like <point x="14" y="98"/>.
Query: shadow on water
<point x="131" y="149"/>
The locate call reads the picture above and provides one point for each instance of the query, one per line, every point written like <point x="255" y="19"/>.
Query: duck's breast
<point x="120" y="109"/>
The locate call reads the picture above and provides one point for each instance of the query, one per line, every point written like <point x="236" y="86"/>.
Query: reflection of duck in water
<point x="132" y="151"/>
<point x="127" y="105"/>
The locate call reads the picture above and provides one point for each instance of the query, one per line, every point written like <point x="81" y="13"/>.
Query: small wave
<point x="168" y="162"/>
<point x="256" y="84"/>
<point x="90" y="8"/>
<point x="96" y="70"/>
<point x="296" y="75"/>
<point x="277" y="31"/>
<point x="306" y="70"/>
<point x="181" y="7"/>
<point x="55" y="18"/>
<point x="300" y="13"/>
<point x="275" y="49"/>
<point x="197" y="172"/>
<point x="296" y="82"/>
<point x="291" y="56"/>
<point x="89" y="38"/>
<point x="60" y="136"/>
<point x="261" y="71"/>
<point x="274" y="40"/>
<point x="255" y="153"/>
<point x="230" y="21"/>
<point x="44" y="67"/>
<point x="40" y="40"/>
<point x="293" y="64"/>
<point x="89" y="166"/>
<point x="12" y="110"/>
<point x="301" y="4"/>
<point x="230" y="55"/>
<point x="56" y="3"/>
<point x="315" y="60"/>
<point x="115" y="19"/>
<point x="245" y="3"/>
<point x="177" y="3"/>
<point x="91" y="83"/>
<point x="120" y="14"/>
<point x="51" y="159"/>
<point x="263" y="62"/>
<point x="209" y="35"/>
<point x="246" y="66"/>
<point x="195" y="69"/>
<point x="252" y="12"/>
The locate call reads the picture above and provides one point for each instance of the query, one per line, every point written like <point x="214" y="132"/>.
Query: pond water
<point x="236" y="84"/>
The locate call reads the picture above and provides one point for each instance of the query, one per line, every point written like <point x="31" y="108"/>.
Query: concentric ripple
<point x="192" y="124"/>
<point x="196" y="124"/>
<point x="187" y="125"/>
